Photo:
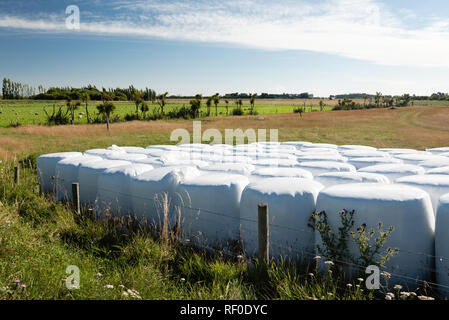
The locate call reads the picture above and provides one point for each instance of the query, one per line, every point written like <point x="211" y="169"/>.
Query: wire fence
<point x="178" y="203"/>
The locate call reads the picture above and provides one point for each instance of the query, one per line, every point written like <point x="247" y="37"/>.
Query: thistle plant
<point x="336" y="244"/>
<point x="369" y="253"/>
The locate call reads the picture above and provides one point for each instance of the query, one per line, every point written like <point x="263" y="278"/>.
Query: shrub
<point x="14" y="124"/>
<point x="238" y="111"/>
<point x="59" y="117"/>
<point x="299" y="110"/>
<point x="183" y="112"/>
<point x="155" y="115"/>
<point x="130" y="117"/>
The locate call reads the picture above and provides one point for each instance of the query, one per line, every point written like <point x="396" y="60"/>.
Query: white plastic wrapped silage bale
<point x="291" y="202"/>
<point x="88" y="178"/>
<point x="148" y="191"/>
<point x="435" y="185"/>
<point x="114" y="194"/>
<point x="211" y="216"/>
<point x="442" y="247"/>
<point x="407" y="209"/>
<point x="46" y="169"/>
<point x="394" y="171"/>
<point x="336" y="178"/>
<point x="319" y="167"/>
<point x="67" y="171"/>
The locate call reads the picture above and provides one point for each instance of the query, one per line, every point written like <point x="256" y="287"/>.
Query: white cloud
<point x="358" y="29"/>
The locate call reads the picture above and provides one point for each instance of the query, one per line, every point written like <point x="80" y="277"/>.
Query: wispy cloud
<point x="358" y="29"/>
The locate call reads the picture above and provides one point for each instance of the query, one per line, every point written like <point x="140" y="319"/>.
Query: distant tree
<point x="403" y="100"/>
<point x="378" y="99"/>
<point x="5" y="89"/>
<point x="216" y="100"/>
<point x="209" y="104"/>
<point x="106" y="109"/>
<point x="105" y="96"/>
<point x="406" y="98"/>
<point x="227" y="107"/>
<point x="72" y="106"/>
<point x="195" y="105"/>
<point x="252" y="100"/>
<point x="162" y="101"/>
<point x="136" y="96"/>
<point x="41" y="89"/>
<point x="144" y="108"/>
<point x="85" y="99"/>
<point x="390" y="102"/>
<point x="322" y="105"/>
<point x="365" y="97"/>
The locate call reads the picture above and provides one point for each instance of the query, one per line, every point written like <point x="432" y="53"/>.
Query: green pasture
<point x="27" y="112"/>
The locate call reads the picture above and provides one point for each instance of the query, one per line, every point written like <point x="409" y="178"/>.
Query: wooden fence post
<point x="16" y="175"/>
<point x="76" y="197"/>
<point x="263" y="233"/>
<point x="165" y="219"/>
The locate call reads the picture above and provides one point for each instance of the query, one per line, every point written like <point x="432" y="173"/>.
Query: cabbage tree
<point x="106" y="109"/>
<point x="162" y="101"/>
<point x="72" y="106"/>
<point x="216" y="100"/>
<point x="85" y="99"/>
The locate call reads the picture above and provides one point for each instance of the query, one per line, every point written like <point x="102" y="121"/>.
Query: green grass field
<point x="27" y="112"/>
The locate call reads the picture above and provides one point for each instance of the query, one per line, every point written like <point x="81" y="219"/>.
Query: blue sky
<point x="207" y="46"/>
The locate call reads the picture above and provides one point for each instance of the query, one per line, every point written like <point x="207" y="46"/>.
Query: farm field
<point x="28" y="112"/>
<point x="410" y="127"/>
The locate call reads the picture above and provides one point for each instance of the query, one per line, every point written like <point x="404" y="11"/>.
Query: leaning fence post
<point x="16" y="175"/>
<point x="263" y="233"/>
<point x="76" y="197"/>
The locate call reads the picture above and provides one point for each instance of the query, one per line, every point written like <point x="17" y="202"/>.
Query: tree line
<point x="117" y="94"/>
<point x="16" y="90"/>
<point x="375" y="101"/>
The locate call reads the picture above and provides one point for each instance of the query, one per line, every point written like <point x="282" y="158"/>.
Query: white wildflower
<point x="134" y="294"/>
<point x="425" y="298"/>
